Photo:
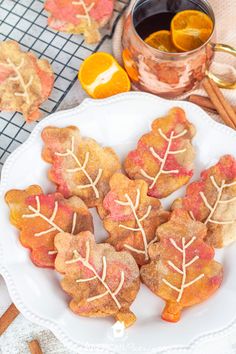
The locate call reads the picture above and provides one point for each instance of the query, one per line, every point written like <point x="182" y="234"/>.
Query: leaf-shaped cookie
<point x="164" y="157"/>
<point x="25" y="81"/>
<point x="212" y="200"/>
<point x="39" y="217"/>
<point x="133" y="216"/>
<point x="80" y="16"/>
<point x="101" y="281"/>
<point x="80" y="166"/>
<point x="182" y="270"/>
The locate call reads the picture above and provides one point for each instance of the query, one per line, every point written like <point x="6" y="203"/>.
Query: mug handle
<point x="221" y="83"/>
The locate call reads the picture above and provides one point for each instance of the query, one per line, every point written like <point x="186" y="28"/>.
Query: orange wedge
<point x="190" y="29"/>
<point x="101" y="76"/>
<point x="161" y="40"/>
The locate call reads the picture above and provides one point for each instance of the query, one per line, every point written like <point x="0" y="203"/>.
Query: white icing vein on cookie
<point x="51" y="220"/>
<point x="183" y="270"/>
<point x="102" y="279"/>
<point x="19" y="77"/>
<point x="82" y="167"/>
<point x="86" y="9"/>
<point x="212" y="208"/>
<point x="134" y="207"/>
<point x="163" y="159"/>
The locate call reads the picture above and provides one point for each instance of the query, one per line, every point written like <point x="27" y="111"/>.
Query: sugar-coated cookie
<point x="133" y="217"/>
<point x="39" y="217"/>
<point x="25" y="81"/>
<point x="164" y="157"/>
<point x="80" y="166"/>
<point x="80" y="16"/>
<point x="212" y="200"/>
<point x="182" y="270"/>
<point x="101" y="281"/>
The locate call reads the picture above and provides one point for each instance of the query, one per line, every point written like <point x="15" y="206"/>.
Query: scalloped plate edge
<point x="49" y="323"/>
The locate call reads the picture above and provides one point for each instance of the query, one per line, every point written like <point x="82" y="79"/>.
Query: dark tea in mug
<point x="149" y="19"/>
<point x="157" y="24"/>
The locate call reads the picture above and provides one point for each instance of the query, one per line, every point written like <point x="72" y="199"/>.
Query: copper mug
<point x="168" y="74"/>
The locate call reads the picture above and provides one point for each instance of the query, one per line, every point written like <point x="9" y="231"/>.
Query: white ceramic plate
<point x="115" y="122"/>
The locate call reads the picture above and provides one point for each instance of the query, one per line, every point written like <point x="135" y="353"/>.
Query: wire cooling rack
<point x="26" y="22"/>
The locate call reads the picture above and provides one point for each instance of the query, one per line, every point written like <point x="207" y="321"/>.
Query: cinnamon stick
<point x="222" y="106"/>
<point x="8" y="317"/>
<point x="34" y="347"/>
<point x="204" y="102"/>
<point x="226" y="104"/>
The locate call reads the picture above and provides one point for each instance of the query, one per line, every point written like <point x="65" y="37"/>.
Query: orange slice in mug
<point x="161" y="40"/>
<point x="190" y="29"/>
<point x="101" y="76"/>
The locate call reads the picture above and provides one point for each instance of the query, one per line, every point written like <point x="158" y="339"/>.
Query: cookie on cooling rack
<point x="132" y="216"/>
<point x="182" y="270"/>
<point x="80" y="16"/>
<point x="25" y="81"/>
<point x="212" y="200"/>
<point x="101" y="281"/>
<point x="39" y="217"/>
<point x="80" y="166"/>
<point x="164" y="157"/>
